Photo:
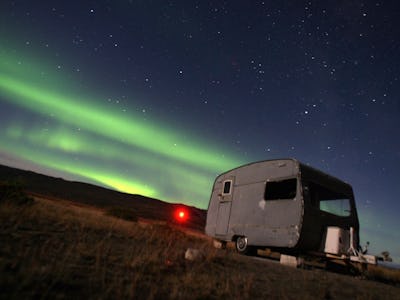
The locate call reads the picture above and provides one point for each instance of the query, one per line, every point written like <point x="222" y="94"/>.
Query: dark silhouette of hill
<point x="89" y="194"/>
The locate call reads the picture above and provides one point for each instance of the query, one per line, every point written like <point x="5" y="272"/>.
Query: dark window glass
<point x="285" y="189"/>
<point x="227" y="187"/>
<point x="329" y="200"/>
<point x="338" y="207"/>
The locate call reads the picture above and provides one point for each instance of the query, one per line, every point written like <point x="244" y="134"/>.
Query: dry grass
<point x="383" y="274"/>
<point x="51" y="250"/>
<point x="122" y="213"/>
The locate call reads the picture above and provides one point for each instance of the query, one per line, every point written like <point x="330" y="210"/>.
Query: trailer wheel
<point x="242" y="246"/>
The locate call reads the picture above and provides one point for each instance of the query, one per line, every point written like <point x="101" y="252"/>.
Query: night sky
<point x="159" y="97"/>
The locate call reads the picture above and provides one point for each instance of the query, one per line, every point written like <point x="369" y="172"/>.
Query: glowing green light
<point x="103" y="121"/>
<point x="182" y="182"/>
<point x="89" y="139"/>
<point x="83" y="169"/>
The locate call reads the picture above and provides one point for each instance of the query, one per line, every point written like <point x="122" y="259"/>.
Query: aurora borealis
<point x="98" y="133"/>
<point x="159" y="97"/>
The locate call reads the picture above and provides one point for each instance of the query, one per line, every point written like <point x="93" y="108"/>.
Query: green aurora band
<point x="102" y="121"/>
<point x="101" y="144"/>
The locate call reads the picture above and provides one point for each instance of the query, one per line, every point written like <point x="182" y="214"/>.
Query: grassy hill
<point x="55" y="249"/>
<point x="57" y="188"/>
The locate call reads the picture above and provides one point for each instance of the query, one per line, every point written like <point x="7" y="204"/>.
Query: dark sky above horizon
<point x="159" y="97"/>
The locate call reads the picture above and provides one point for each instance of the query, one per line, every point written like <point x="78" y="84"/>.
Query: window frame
<point x="230" y="187"/>
<point x="340" y="207"/>
<point x="278" y="181"/>
<point x="320" y="195"/>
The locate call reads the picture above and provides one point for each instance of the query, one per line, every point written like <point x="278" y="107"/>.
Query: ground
<point x="52" y="248"/>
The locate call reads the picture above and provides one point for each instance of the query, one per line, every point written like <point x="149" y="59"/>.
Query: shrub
<point x="383" y="274"/>
<point x="13" y="193"/>
<point x="122" y="213"/>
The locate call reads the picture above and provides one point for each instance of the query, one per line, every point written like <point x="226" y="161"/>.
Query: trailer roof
<point x="302" y="167"/>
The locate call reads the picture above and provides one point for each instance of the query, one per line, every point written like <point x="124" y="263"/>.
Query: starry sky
<point x="159" y="97"/>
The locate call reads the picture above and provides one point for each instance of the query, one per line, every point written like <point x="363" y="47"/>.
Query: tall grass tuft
<point x="12" y="192"/>
<point x="122" y="213"/>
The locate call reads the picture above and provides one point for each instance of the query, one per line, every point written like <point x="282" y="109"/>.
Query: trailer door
<point x="224" y="206"/>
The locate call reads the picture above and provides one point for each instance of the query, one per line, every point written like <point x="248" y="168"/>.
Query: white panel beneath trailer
<point x="291" y="261"/>
<point x="337" y="240"/>
<point x="369" y="259"/>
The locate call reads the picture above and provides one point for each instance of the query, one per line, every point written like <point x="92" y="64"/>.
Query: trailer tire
<point x="242" y="246"/>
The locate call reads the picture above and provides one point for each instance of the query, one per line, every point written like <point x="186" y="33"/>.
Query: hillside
<point x="57" y="188"/>
<point x="61" y="242"/>
<point x="50" y="249"/>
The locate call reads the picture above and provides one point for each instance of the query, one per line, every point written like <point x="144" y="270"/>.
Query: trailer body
<point x="283" y="204"/>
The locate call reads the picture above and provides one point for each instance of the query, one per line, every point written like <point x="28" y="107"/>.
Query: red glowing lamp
<point x="181" y="215"/>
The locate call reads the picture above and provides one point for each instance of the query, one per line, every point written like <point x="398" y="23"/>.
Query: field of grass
<point x="55" y="250"/>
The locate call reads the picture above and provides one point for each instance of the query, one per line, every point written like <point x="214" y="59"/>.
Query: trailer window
<point x="227" y="187"/>
<point x="284" y="189"/>
<point x="338" y="207"/>
<point x="329" y="200"/>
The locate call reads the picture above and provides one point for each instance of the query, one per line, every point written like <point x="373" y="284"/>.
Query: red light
<point x="181" y="215"/>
